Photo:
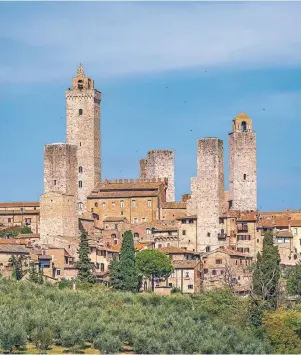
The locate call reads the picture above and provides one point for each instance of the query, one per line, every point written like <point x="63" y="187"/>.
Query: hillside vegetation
<point x="215" y="322"/>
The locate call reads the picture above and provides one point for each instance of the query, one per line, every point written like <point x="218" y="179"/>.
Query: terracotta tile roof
<point x="251" y="216"/>
<point x="136" y="184"/>
<point x="284" y="234"/>
<point x="45" y="257"/>
<point x="27" y="236"/>
<point x="19" y="204"/>
<point x="173" y="205"/>
<point x="185" y="264"/>
<point x="120" y="194"/>
<point x="8" y="241"/>
<point x="228" y="251"/>
<point x="174" y="250"/>
<point x="13" y="248"/>
<point x="116" y="219"/>
<point x="296" y="223"/>
<point x="164" y="228"/>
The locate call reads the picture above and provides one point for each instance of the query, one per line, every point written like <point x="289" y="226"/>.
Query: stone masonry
<point x="58" y="203"/>
<point x="160" y="164"/>
<point x="208" y="188"/>
<point x="242" y="165"/>
<point x="83" y="130"/>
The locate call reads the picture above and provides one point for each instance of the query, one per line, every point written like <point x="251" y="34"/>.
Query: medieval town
<point x="211" y="235"/>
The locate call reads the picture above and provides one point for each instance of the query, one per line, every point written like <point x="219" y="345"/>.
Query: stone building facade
<point x="58" y="203"/>
<point x="83" y="131"/>
<point x="242" y="165"/>
<point x="160" y="164"/>
<point x="208" y="192"/>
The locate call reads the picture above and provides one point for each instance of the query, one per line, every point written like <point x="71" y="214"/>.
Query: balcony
<point x="242" y="229"/>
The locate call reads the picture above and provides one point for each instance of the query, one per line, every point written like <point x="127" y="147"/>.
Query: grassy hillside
<point x="115" y="322"/>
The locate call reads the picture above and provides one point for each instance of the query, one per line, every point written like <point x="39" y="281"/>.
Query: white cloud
<point x="114" y="39"/>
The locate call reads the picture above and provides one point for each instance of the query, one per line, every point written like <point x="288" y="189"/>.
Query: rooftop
<point x="13" y="248"/>
<point x="174" y="250"/>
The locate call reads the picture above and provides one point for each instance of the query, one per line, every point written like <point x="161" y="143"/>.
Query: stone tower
<point x="83" y="130"/>
<point x="58" y="203"/>
<point x="208" y="192"/>
<point x="160" y="164"/>
<point x="242" y="165"/>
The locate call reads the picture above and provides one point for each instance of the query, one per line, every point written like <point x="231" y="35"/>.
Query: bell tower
<point x="83" y="130"/>
<point x="242" y="165"/>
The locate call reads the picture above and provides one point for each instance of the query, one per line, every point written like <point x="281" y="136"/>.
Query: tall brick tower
<point x="160" y="164"/>
<point x="242" y="165"/>
<point x="83" y="130"/>
<point x="208" y="192"/>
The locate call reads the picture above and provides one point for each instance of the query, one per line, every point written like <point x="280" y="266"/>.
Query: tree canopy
<point x="293" y="283"/>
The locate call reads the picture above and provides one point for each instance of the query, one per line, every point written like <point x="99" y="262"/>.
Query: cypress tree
<point x="115" y="274"/>
<point x="267" y="272"/>
<point x="84" y="264"/>
<point x="128" y="275"/>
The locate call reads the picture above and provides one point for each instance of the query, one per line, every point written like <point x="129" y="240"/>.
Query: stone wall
<point x="60" y="168"/>
<point x="242" y="171"/>
<point x="209" y="191"/>
<point x="83" y="130"/>
<point x="143" y="168"/>
<point x="160" y="164"/>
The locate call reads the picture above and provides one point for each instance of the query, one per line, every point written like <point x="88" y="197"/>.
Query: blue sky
<point x="216" y="60"/>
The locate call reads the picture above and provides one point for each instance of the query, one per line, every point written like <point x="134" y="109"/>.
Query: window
<point x="244" y="237"/>
<point x="241" y="250"/>
<point x="80" y="84"/>
<point x="80" y="144"/>
<point x="143" y="219"/>
<point x="190" y="287"/>
<point x="222" y="272"/>
<point x="103" y="253"/>
<point x="230" y="204"/>
<point x="27" y="221"/>
<point x="115" y="241"/>
<point x="258" y="241"/>
<point x="103" y="205"/>
<point x="113" y="204"/>
<point x="9" y="221"/>
<point x="183" y="232"/>
<point x="170" y="284"/>
<point x="80" y="111"/>
<point x="136" y="235"/>
<point x="135" y="220"/>
<point x="187" y="274"/>
<point x="207" y="249"/>
<point x="116" y="226"/>
<point x="213" y="272"/>
<point x="133" y="203"/>
<point x="148" y="231"/>
<point x="21" y="209"/>
<point x="149" y="203"/>
<point x="121" y="204"/>
<point x="80" y="184"/>
<point x="96" y="204"/>
<point x="91" y="209"/>
<point x="245" y="176"/>
<point x="80" y="205"/>
<point x="102" y="267"/>
<point x="113" y="235"/>
<point x="168" y="244"/>
<point x="58" y="272"/>
<point x="218" y="261"/>
<point x="80" y="169"/>
<point x="54" y="182"/>
<point x="121" y="213"/>
<point x="244" y="126"/>
<point x="159" y="246"/>
<point x="205" y="271"/>
<point x="246" y="250"/>
<point x="208" y="234"/>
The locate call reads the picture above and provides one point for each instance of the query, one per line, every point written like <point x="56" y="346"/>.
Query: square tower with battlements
<point x="242" y="165"/>
<point x="83" y="131"/>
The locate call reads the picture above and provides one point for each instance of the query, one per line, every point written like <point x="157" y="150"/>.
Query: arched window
<point x="207" y="249"/>
<point x="96" y="204"/>
<point x="80" y="169"/>
<point x="245" y="176"/>
<point x="80" y="112"/>
<point x="136" y="235"/>
<point x="244" y="126"/>
<point x="80" y="205"/>
<point x="80" y="84"/>
<point x="148" y="231"/>
<point x="80" y="184"/>
<point x="121" y="204"/>
<point x="113" y="235"/>
<point x="208" y="234"/>
<point x="103" y="205"/>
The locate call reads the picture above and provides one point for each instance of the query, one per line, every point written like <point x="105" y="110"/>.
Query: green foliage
<point x="65" y="284"/>
<point x="84" y="264"/>
<point x="266" y="274"/>
<point x="211" y="322"/>
<point x="35" y="276"/>
<point x="128" y="276"/>
<point x="115" y="274"/>
<point x="42" y="338"/>
<point x="293" y="284"/>
<point x="26" y="230"/>
<point x="283" y="329"/>
<point x="17" y="263"/>
<point x="153" y="264"/>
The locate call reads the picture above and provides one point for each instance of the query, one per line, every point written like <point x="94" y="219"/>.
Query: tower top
<point x="80" y="71"/>
<point x="242" y="123"/>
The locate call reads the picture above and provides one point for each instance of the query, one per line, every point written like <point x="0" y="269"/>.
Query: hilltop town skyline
<point x="157" y="108"/>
